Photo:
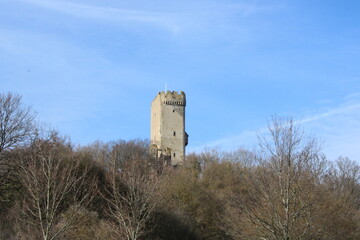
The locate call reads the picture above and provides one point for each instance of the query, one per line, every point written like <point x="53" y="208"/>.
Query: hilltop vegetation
<point x="284" y="189"/>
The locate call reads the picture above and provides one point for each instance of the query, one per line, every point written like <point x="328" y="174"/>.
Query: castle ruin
<point x="168" y="137"/>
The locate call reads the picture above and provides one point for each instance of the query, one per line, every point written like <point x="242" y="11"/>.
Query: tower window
<point x="174" y="110"/>
<point x="174" y="154"/>
<point x="174" y="133"/>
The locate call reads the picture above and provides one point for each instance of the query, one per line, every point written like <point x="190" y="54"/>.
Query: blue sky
<point x="91" y="68"/>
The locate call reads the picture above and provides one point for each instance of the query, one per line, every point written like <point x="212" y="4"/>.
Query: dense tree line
<point x="283" y="189"/>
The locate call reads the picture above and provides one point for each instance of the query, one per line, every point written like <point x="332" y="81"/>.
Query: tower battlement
<point x="172" y="93"/>
<point x="172" y="98"/>
<point x="168" y="137"/>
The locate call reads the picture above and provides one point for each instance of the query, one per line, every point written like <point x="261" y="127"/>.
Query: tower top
<point x="172" y="98"/>
<point x="172" y="93"/>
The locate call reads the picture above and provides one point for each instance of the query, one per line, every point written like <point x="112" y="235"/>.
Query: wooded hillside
<point x="285" y="188"/>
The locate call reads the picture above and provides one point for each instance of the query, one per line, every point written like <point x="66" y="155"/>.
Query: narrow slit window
<point x="174" y="154"/>
<point x="173" y="110"/>
<point x="174" y="133"/>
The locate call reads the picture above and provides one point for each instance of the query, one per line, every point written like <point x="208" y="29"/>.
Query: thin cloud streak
<point x="172" y="21"/>
<point x="165" y="20"/>
<point x="330" y="113"/>
<point x="250" y="136"/>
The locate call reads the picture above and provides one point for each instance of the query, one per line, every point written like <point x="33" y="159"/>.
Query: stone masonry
<point x="168" y="137"/>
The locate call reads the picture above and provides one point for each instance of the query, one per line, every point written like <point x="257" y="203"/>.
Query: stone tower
<point x="168" y="137"/>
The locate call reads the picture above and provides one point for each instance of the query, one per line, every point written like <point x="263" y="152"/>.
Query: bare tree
<point x="16" y="121"/>
<point x="16" y="127"/>
<point x="345" y="175"/>
<point x="131" y="194"/>
<point x="338" y="211"/>
<point x="282" y="188"/>
<point x="52" y="181"/>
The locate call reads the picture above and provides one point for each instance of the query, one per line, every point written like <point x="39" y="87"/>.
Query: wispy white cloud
<point x="170" y="19"/>
<point x="245" y="139"/>
<point x="165" y="20"/>
<point x="335" y="111"/>
<point x="338" y="127"/>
